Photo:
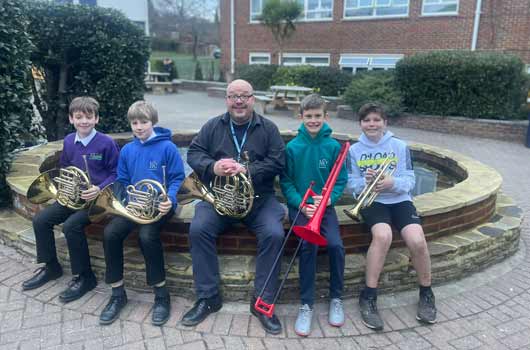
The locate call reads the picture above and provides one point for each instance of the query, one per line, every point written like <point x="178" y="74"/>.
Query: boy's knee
<point x="149" y="237"/>
<point x="382" y="237"/>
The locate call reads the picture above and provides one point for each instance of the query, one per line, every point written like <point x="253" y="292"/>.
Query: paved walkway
<point x="489" y="310"/>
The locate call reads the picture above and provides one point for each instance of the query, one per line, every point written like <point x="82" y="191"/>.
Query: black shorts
<point x="399" y="214"/>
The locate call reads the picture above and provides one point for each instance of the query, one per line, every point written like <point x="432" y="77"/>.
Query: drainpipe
<point x="476" y="25"/>
<point x="232" y="38"/>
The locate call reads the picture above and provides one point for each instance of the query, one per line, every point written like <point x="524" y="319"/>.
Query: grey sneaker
<point x="369" y="313"/>
<point x="336" y="313"/>
<point x="302" y="327"/>
<point x="426" y="308"/>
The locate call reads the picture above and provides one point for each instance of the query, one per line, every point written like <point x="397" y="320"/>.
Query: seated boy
<point x="310" y="156"/>
<point x="392" y="206"/>
<point x="148" y="156"/>
<point x="101" y="154"/>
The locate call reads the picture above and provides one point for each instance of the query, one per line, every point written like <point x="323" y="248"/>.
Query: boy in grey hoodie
<point x="392" y="206"/>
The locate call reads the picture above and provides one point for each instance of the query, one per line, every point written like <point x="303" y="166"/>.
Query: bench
<point x="261" y="103"/>
<point x="162" y="87"/>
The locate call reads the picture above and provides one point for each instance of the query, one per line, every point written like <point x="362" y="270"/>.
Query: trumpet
<point x="368" y="194"/>
<point x="64" y="185"/>
<point x="142" y="205"/>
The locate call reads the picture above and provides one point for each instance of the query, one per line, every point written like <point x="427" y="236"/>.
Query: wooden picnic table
<point x="155" y="76"/>
<point x="288" y="96"/>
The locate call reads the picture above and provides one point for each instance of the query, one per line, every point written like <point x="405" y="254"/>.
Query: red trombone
<point x="310" y="232"/>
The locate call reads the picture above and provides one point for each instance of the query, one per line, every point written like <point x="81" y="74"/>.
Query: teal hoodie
<point x="311" y="159"/>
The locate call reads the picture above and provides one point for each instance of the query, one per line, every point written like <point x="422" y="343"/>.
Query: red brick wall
<point x="504" y="26"/>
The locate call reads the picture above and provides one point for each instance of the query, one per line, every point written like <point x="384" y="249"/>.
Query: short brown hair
<point x="142" y="110"/>
<point x="85" y="104"/>
<point x="313" y="101"/>
<point x="372" y="107"/>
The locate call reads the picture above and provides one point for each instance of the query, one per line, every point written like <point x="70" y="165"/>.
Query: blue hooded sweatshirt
<point x="139" y="161"/>
<point x="366" y="154"/>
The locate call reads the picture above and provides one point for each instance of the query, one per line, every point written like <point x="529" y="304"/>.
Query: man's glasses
<point x="243" y="98"/>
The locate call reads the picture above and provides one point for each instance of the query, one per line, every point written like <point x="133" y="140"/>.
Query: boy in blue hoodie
<point x="392" y="206"/>
<point x="148" y="156"/>
<point x="310" y="157"/>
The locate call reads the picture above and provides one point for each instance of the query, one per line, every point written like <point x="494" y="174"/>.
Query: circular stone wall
<point x="469" y="226"/>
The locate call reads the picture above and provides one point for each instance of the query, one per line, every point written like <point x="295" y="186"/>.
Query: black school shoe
<point x="42" y="276"/>
<point x="78" y="286"/>
<point x="270" y="325"/>
<point x="113" y="308"/>
<point x="201" y="309"/>
<point x="161" y="310"/>
<point x="426" y="308"/>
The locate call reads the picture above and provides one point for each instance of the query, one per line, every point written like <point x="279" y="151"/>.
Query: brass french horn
<point x="143" y="199"/>
<point x="64" y="185"/>
<point x="230" y="196"/>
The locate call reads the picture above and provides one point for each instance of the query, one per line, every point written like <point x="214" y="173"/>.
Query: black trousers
<point x="74" y="223"/>
<point x="149" y="239"/>
<point x="265" y="220"/>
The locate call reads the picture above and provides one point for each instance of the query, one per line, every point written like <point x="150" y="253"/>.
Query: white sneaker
<point x="336" y="313"/>
<point x="302" y="327"/>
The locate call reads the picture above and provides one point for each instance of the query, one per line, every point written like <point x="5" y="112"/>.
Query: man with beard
<point x="218" y="150"/>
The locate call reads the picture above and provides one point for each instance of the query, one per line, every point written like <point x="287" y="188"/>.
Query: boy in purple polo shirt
<point x="101" y="154"/>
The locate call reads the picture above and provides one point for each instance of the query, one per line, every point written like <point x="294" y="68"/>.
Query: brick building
<point x="374" y="34"/>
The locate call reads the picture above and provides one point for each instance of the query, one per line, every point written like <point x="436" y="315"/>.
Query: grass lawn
<point x="186" y="66"/>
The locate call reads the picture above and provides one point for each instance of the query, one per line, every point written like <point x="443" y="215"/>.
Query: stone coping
<point x="478" y="180"/>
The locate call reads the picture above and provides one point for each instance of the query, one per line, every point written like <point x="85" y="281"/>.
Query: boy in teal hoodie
<point x="310" y="157"/>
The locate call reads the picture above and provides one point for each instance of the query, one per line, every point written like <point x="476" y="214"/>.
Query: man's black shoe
<point x="270" y="325"/>
<point x="78" y="286"/>
<point x="112" y="310"/>
<point x="42" y="276"/>
<point x="369" y="314"/>
<point x="201" y="309"/>
<point x="161" y="310"/>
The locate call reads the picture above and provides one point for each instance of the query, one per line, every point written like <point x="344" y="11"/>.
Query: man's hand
<point x="309" y="210"/>
<point x="90" y="193"/>
<point x="317" y="199"/>
<point x="228" y="167"/>
<point x="165" y="206"/>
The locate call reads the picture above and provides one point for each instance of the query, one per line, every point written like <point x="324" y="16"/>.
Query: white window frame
<point x="434" y="14"/>
<point x="373" y="6"/>
<point x="302" y="18"/>
<point x="259" y="54"/>
<point x="369" y="61"/>
<point x="304" y="57"/>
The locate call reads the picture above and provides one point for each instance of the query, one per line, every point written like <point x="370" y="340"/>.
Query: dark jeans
<point x="329" y="228"/>
<point x="265" y="220"/>
<point x="149" y="239"/>
<point x="74" y="223"/>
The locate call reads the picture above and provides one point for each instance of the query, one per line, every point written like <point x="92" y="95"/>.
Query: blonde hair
<point x="142" y="110"/>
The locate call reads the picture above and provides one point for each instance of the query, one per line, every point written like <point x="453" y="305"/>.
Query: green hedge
<point x="15" y="108"/>
<point x="87" y="51"/>
<point x="373" y="86"/>
<point x="259" y="75"/>
<point x="462" y="83"/>
<point x="326" y="81"/>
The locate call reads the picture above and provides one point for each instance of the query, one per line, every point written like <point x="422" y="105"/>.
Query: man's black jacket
<point x="264" y="144"/>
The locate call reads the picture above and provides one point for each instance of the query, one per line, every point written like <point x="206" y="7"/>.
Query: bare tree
<point x="279" y="17"/>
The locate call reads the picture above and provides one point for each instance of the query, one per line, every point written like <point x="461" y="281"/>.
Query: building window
<point x="357" y="63"/>
<point x="375" y="8"/>
<point x="312" y="10"/>
<point x="259" y="58"/>
<point x="295" y="59"/>
<point x="439" y="7"/>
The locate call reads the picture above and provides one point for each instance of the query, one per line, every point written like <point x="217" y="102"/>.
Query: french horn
<point x="64" y="185"/>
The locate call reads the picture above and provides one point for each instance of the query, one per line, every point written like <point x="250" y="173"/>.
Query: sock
<point x="368" y="292"/>
<point x="118" y="291"/>
<point x="424" y="289"/>
<point x="161" y="292"/>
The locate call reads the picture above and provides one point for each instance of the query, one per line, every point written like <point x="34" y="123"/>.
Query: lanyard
<point x="238" y="146"/>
